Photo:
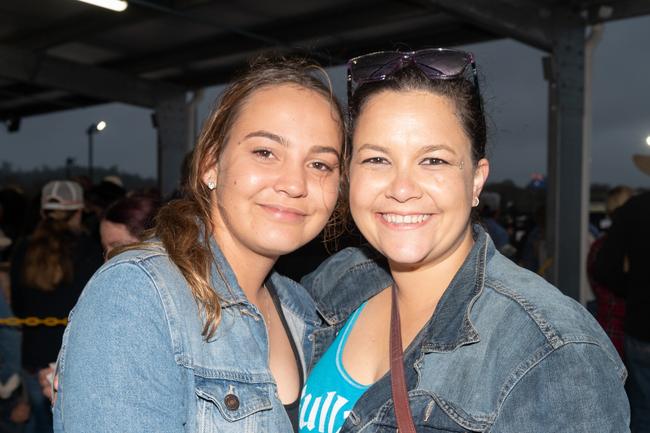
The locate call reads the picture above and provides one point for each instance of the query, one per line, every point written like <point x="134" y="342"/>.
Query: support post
<point x="174" y="124"/>
<point x="568" y="159"/>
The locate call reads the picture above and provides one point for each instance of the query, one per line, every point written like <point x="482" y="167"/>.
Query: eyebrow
<point x="375" y="147"/>
<point x="425" y="149"/>
<point x="269" y="135"/>
<point x="284" y="142"/>
<point x="434" y="147"/>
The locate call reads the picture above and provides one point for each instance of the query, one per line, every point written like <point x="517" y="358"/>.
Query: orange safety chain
<point x="33" y="321"/>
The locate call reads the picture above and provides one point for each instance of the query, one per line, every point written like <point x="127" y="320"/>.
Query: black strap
<point x="403" y="413"/>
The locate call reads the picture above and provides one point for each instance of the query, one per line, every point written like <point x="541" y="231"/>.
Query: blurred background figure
<point x="610" y="306"/>
<point x="97" y="199"/>
<point x="490" y="211"/>
<point x="13" y="209"/>
<point x="14" y="407"/>
<point x="48" y="272"/>
<point x="622" y="265"/>
<point x="126" y="220"/>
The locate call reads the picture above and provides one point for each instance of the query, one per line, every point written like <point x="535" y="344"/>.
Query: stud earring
<point x="475" y="202"/>
<point x="211" y="185"/>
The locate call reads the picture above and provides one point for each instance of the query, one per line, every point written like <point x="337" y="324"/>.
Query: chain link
<point x="33" y="321"/>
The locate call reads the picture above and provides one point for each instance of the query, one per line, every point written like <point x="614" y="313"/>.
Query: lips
<point x="409" y="219"/>
<point x="284" y="212"/>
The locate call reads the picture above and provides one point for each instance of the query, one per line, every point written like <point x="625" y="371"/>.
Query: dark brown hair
<point x="136" y="212"/>
<point x="461" y="91"/>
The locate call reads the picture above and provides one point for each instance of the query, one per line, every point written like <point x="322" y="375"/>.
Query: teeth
<point x="405" y="219"/>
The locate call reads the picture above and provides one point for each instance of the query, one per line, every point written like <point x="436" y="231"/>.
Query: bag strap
<point x="397" y="379"/>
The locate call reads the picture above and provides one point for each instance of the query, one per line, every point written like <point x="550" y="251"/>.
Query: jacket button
<point x="231" y="401"/>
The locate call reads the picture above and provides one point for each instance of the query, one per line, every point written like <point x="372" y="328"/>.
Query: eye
<point x="263" y="153"/>
<point x="433" y="161"/>
<point x="321" y="166"/>
<point x="375" y="160"/>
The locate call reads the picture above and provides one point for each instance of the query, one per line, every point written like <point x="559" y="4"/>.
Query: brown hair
<point x="184" y="225"/>
<point x="48" y="260"/>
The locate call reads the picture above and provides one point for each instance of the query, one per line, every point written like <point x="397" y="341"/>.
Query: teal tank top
<point x="330" y="393"/>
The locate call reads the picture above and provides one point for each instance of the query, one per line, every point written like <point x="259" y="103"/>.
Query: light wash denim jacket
<point x="133" y="358"/>
<point x="504" y="352"/>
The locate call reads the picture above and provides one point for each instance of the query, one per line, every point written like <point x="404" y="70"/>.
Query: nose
<point x="292" y="180"/>
<point x="403" y="187"/>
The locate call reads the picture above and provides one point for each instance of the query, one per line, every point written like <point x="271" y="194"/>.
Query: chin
<point x="405" y="256"/>
<point x="280" y="246"/>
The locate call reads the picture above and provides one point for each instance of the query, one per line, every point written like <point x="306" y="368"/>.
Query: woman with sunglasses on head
<point x="191" y="330"/>
<point x="489" y="346"/>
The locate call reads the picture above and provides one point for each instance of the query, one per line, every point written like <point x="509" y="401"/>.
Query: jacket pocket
<point x="234" y="400"/>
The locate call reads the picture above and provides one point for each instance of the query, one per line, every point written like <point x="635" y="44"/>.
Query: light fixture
<point x="114" y="5"/>
<point x="647" y="140"/>
<point x="93" y="129"/>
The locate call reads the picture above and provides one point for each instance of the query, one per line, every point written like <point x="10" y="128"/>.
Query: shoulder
<point x="537" y="311"/>
<point x="346" y="279"/>
<point x="134" y="277"/>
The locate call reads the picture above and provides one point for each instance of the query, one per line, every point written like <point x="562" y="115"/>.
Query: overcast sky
<point x="513" y="87"/>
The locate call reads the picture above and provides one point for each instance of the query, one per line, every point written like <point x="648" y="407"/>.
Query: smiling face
<point x="277" y="177"/>
<point x="412" y="178"/>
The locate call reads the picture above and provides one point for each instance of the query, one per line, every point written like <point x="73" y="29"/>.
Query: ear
<point x="210" y="175"/>
<point x="481" y="173"/>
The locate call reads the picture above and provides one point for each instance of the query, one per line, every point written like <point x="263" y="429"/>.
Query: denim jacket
<point x="504" y="352"/>
<point x="133" y="358"/>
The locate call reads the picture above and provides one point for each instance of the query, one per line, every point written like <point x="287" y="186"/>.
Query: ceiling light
<point x="114" y="5"/>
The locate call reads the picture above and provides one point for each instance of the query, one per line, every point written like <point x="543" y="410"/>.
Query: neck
<point x="250" y="268"/>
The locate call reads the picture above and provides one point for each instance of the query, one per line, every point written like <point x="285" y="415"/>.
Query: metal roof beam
<point x="78" y="27"/>
<point x="531" y="26"/>
<point x="91" y="81"/>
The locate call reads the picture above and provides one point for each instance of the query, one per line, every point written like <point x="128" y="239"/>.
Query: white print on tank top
<point x="319" y="412"/>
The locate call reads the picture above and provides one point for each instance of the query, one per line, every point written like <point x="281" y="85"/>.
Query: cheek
<point x="363" y="190"/>
<point x="327" y="192"/>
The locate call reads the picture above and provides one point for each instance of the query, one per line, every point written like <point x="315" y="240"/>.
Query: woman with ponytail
<point x="191" y="330"/>
<point x="48" y="272"/>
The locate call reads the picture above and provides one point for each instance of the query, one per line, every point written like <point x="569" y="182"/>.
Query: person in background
<point x="48" y="272"/>
<point x="97" y="199"/>
<point x="610" y="306"/>
<point x="489" y="209"/>
<point x="126" y="221"/>
<point x="622" y="264"/>
<point x="489" y="346"/>
<point x="14" y="405"/>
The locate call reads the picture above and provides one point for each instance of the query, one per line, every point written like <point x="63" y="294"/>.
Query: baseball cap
<point x="62" y="195"/>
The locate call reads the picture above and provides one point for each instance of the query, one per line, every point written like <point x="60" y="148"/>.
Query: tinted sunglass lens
<point x="446" y="63"/>
<point x="374" y="66"/>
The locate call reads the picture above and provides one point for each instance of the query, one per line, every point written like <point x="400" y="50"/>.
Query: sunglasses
<point x="435" y="63"/>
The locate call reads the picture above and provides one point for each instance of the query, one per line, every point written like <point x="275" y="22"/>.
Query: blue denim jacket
<point x="504" y="352"/>
<point x="133" y="358"/>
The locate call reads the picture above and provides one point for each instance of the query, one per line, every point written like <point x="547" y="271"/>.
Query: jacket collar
<point x="450" y="326"/>
<point x="337" y="294"/>
<point x="367" y="274"/>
